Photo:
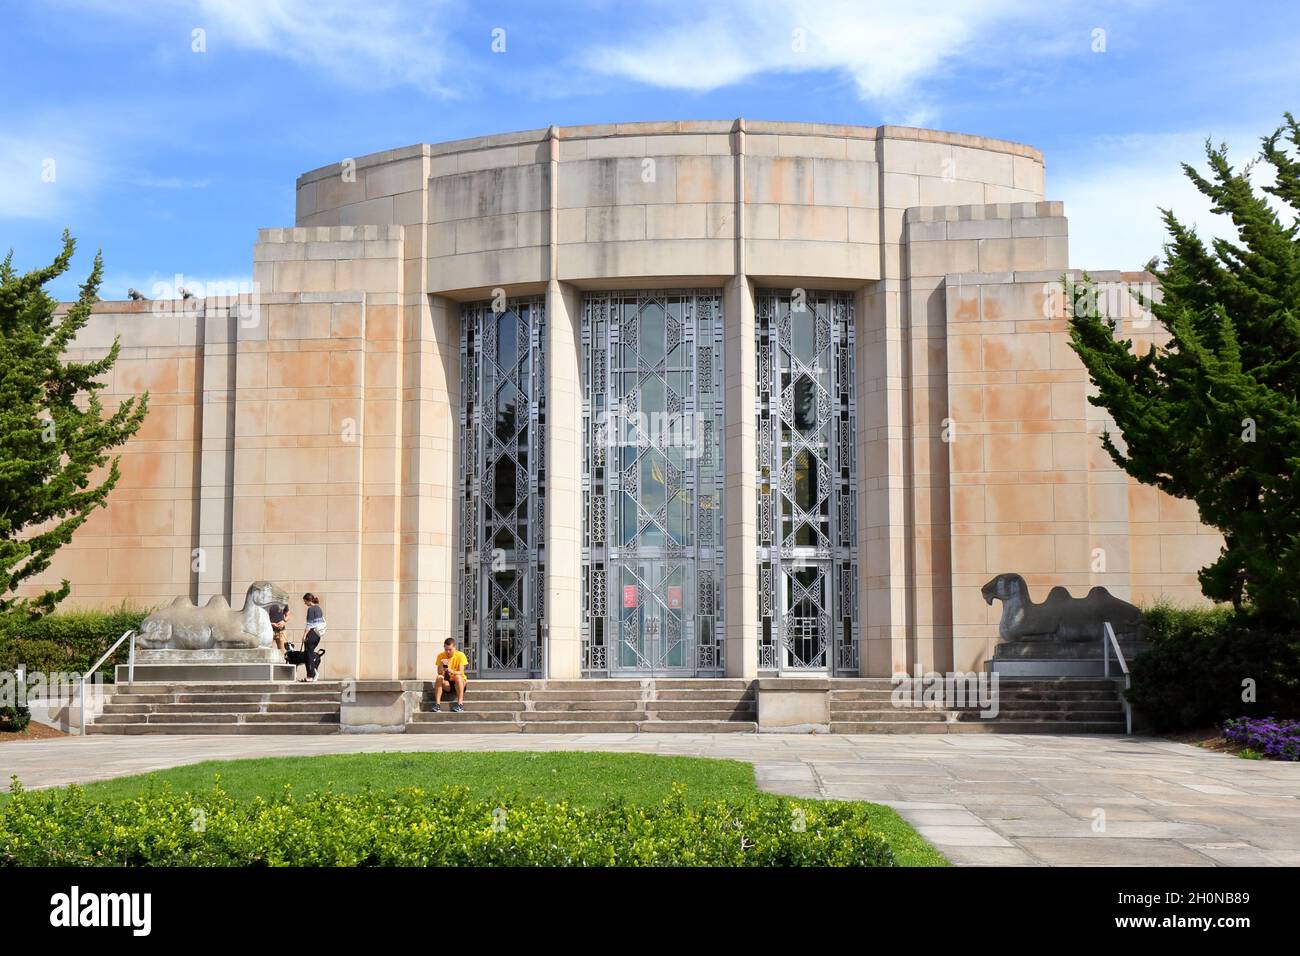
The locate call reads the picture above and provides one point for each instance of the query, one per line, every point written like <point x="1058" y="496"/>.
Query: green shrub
<point x="413" y="827"/>
<point x="14" y="718"/>
<point x="68" y="641"/>
<point x="1193" y="675"/>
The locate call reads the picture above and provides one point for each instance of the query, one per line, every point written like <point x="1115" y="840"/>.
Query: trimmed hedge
<point x="413" y="827"/>
<point x="68" y="641"/>
<point x="1193" y="676"/>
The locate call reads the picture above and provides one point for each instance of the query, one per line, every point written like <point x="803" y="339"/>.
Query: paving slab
<point x="981" y="799"/>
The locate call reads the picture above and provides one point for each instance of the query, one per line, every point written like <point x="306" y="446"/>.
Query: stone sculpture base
<point x="1060" y="658"/>
<point x="209" y="666"/>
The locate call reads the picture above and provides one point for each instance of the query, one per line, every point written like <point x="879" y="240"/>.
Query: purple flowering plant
<point x="1268" y="736"/>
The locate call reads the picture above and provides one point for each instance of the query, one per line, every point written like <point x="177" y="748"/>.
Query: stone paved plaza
<point x="981" y="799"/>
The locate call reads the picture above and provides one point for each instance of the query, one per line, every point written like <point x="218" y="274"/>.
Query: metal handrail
<point x="130" y="673"/>
<point x="1108" y="641"/>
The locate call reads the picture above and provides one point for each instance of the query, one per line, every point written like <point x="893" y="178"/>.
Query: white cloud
<point x="1113" y="199"/>
<point x="48" y="168"/>
<point x="886" y="47"/>
<point x="369" y="44"/>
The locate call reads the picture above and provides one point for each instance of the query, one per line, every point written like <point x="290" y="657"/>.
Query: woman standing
<point x="315" y="631"/>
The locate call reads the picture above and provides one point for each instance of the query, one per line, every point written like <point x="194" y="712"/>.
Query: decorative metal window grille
<point x="503" y="477"/>
<point x="807" y="565"/>
<point x="652" y="540"/>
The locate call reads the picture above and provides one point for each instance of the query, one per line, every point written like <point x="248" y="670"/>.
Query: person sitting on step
<point x="451" y="676"/>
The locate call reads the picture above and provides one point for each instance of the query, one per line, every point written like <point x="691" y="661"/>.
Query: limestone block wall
<point x="1029" y="487"/>
<point x="140" y="548"/>
<point x="318" y="453"/>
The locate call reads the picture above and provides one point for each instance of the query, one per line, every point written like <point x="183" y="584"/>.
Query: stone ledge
<point x="1047" y="209"/>
<point x="671" y="128"/>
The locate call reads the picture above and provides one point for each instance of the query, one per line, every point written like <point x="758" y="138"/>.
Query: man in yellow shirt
<point x="451" y="675"/>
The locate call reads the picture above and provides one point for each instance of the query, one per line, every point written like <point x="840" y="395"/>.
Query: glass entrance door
<point x="654" y="621"/>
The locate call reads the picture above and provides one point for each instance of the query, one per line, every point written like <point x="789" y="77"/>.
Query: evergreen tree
<point x="54" y="434"/>
<point x="1213" y="414"/>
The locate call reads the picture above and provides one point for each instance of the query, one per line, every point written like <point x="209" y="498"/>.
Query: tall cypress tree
<point x="54" y="434"/>
<point x="1213" y="415"/>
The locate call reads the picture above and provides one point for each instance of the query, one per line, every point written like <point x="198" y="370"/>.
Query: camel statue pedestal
<point x="1064" y="636"/>
<point x="213" y="665"/>
<point x="1059" y="658"/>
<point x="212" y="643"/>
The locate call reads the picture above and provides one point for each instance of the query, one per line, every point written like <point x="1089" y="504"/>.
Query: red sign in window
<point x="631" y="595"/>
<point x="675" y="598"/>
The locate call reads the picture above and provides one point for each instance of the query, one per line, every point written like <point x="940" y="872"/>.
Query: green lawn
<point x="580" y="778"/>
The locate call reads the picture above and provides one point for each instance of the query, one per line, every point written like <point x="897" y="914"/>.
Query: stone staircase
<point x="238" y="708"/>
<point x="698" y="705"/>
<point x="1025" y="705"/>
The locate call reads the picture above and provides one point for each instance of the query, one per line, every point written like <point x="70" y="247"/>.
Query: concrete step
<point x="699" y="727"/>
<point x="475" y="706"/>
<point x="898" y="714"/>
<point x="317" y="717"/>
<point x="579" y="727"/>
<point x="887" y="727"/>
<point x="1062" y="706"/>
<point x="655" y="712"/>
<point x="1036" y="727"/>
<point x="984" y="726"/>
<point x="280" y="707"/>
<point x="1023" y="693"/>
<point x="574" y="706"/>
<point x="469" y="726"/>
<point x="223" y="698"/>
<point x="283" y="687"/>
<point x="426" y="716"/>
<point x="574" y="695"/>
<point x="212" y="729"/>
<point x="703" y="694"/>
<point x="1004" y="683"/>
<point x="685" y="706"/>
<point x="605" y="684"/>
<point x="1075" y="716"/>
<point x="602" y="716"/>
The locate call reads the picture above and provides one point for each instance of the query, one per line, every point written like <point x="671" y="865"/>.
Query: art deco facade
<point x="688" y="399"/>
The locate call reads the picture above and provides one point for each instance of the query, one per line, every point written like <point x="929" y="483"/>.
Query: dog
<point x="299" y="658"/>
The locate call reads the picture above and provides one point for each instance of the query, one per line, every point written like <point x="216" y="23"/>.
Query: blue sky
<point x="169" y="159"/>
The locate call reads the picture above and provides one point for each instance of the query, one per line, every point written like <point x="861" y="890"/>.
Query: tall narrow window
<point x="652" y="528"/>
<point x="503" y="415"/>
<point x="807" y="587"/>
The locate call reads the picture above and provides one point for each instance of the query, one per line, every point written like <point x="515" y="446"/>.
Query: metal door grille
<point x="806" y="408"/>
<point x="653" y="485"/>
<point x="503" y="480"/>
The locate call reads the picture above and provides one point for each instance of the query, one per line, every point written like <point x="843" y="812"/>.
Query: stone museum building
<point x="680" y="399"/>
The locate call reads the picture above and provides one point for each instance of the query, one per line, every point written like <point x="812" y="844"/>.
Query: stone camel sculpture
<point x="183" y="626"/>
<point x="1061" y="617"/>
